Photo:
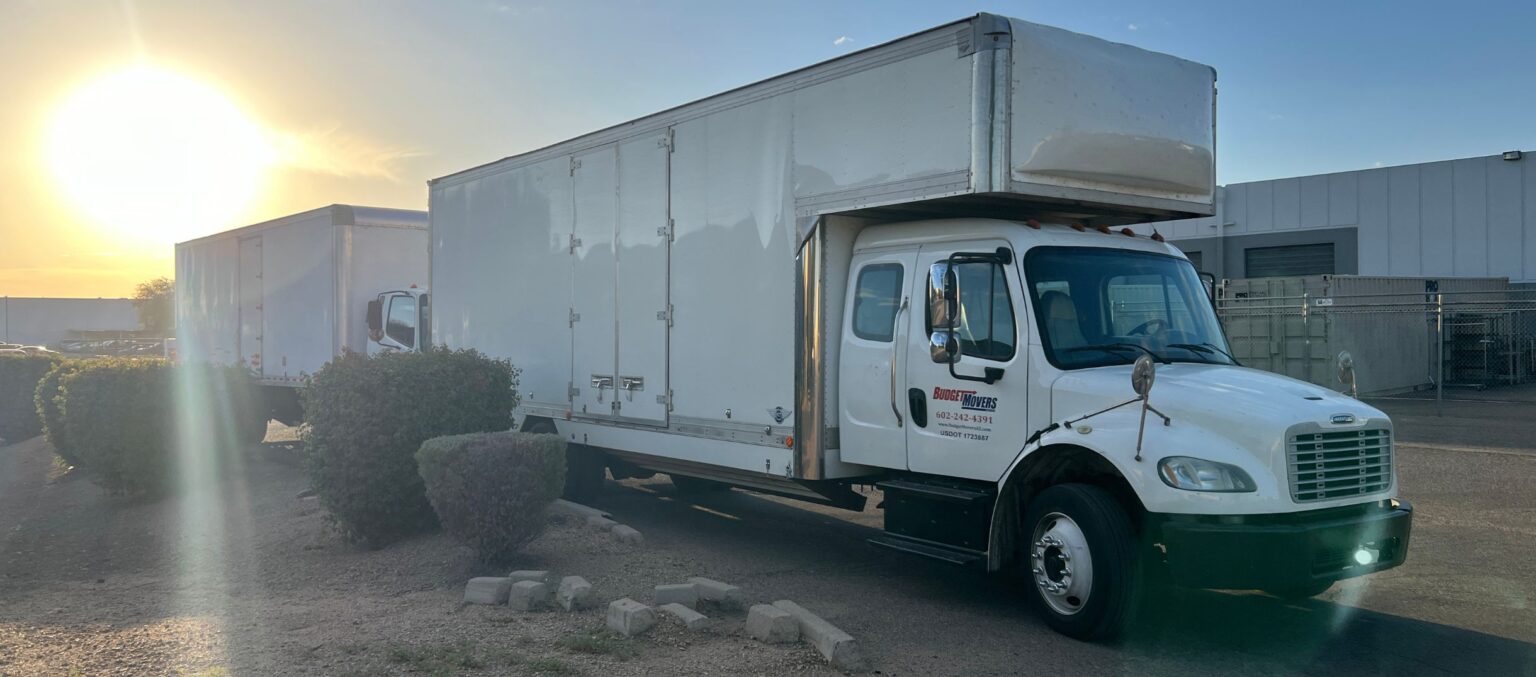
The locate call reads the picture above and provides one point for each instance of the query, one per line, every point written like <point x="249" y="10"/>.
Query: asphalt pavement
<point x="1463" y="604"/>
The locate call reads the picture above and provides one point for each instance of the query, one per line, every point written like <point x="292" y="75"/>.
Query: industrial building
<point x="47" y="321"/>
<point x="1474" y="217"/>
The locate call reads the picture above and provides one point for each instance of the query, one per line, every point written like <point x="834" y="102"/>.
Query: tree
<point x="156" y="302"/>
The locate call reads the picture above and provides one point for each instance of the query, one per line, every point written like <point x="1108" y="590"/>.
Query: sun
<point x="157" y="156"/>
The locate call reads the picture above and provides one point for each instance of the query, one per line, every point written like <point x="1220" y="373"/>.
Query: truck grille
<point x="1338" y="464"/>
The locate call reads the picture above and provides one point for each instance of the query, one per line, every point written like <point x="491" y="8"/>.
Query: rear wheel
<point x="1080" y="555"/>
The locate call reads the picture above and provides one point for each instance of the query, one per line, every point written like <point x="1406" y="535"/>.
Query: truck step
<point x="948" y="554"/>
<point x="933" y="491"/>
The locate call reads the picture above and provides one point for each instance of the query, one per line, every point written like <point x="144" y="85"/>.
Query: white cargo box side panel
<point x="501" y="274"/>
<point x="298" y="290"/>
<point x="904" y="126"/>
<point x="733" y="269"/>
<point x="1099" y="116"/>
<point x="207" y="301"/>
<point x="371" y="260"/>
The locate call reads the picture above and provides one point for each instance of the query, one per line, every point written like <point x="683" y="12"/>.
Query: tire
<point x="693" y="486"/>
<point x="1092" y="597"/>
<point x="1300" y="592"/>
<point x="585" y="469"/>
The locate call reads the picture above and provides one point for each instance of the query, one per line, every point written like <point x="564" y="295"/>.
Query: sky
<point x="365" y="100"/>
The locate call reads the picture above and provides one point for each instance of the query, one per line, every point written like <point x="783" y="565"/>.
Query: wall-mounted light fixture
<point x="1512" y="155"/>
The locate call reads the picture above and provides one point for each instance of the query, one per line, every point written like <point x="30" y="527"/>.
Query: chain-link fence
<point x="1446" y="338"/>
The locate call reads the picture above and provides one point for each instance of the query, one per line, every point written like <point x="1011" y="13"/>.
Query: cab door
<point x="962" y="425"/>
<point x="871" y="375"/>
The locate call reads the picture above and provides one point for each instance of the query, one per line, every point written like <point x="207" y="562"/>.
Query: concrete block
<point x="629" y="618"/>
<point x="528" y="595"/>
<point x="528" y="575"/>
<point x="833" y="644"/>
<point x="772" y="625"/>
<point x="574" y="593"/>
<point x="723" y="594"/>
<point x="685" y="594"/>
<point x="691" y="619"/>
<point x="601" y="523"/>
<point x="626" y="534"/>
<point x="487" y="590"/>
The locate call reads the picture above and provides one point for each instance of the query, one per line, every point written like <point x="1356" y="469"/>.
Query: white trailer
<point x="910" y="266"/>
<point x="285" y="296"/>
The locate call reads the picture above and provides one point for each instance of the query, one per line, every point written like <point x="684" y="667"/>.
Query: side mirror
<point x="943" y="311"/>
<point x="376" y="320"/>
<point x="1143" y="374"/>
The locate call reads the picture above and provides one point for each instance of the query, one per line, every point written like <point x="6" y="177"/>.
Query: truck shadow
<point x="812" y="550"/>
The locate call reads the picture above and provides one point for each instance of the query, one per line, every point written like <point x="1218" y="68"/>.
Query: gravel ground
<point x="253" y="583"/>
<point x="248" y="579"/>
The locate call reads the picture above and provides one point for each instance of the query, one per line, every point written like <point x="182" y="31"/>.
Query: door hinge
<point x="665" y="315"/>
<point x="666" y="141"/>
<point x="575" y="242"/>
<point x="574" y="317"/>
<point x="575" y="165"/>
<point x="669" y="231"/>
<point x="665" y="400"/>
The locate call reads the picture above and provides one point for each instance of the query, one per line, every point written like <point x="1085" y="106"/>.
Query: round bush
<point x="369" y="415"/>
<point x="48" y="398"/>
<point x="490" y="490"/>
<point x="118" y="418"/>
<point x="130" y="423"/>
<point x="19" y="375"/>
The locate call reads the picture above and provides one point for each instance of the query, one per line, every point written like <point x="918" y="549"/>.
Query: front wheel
<point x="1081" y="558"/>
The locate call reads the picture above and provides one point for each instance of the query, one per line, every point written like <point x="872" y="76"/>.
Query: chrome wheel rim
<point x="1061" y="564"/>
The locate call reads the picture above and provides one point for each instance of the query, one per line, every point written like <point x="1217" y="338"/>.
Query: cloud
<point x="842" y="40"/>
<point x="1132" y="27"/>
<point x="339" y="154"/>
<point x="1274" y="116"/>
<point x="1378" y="163"/>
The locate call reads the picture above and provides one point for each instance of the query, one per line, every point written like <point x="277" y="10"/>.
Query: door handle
<point x="917" y="407"/>
<point x="601" y="382"/>
<point x="895" y="347"/>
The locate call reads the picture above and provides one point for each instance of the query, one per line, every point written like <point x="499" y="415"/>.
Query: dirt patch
<point x="245" y="577"/>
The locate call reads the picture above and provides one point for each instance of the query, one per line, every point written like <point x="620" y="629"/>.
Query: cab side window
<point x="401" y="325"/>
<point x="876" y="299"/>
<point x="987" y="329"/>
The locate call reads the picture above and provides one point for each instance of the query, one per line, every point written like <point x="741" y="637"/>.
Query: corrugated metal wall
<point x="1473" y="217"/>
<point x="37" y="321"/>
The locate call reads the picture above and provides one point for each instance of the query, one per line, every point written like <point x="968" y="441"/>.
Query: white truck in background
<point x="911" y="266"/>
<point x="285" y="296"/>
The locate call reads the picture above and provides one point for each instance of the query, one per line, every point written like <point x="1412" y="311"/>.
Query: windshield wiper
<point x="1205" y="348"/>
<point x="1112" y="347"/>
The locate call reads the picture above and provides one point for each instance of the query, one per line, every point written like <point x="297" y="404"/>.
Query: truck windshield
<point x="1097" y="306"/>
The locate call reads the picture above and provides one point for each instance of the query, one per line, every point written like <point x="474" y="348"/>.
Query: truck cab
<point x="400" y="321"/>
<point x="1061" y="401"/>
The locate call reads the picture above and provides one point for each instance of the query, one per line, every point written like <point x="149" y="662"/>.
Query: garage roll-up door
<point x="1288" y="261"/>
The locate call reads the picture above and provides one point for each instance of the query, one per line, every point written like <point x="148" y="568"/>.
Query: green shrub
<point x="369" y="415"/>
<point x="18" y="381"/>
<point x="490" y="489"/>
<point x="48" y="398"/>
<point x="119" y="422"/>
<point x="136" y="426"/>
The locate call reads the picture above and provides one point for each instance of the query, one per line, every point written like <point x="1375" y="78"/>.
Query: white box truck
<point x="910" y="266"/>
<point x="285" y="296"/>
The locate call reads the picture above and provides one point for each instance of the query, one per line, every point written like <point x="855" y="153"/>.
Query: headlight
<point x="1198" y="474"/>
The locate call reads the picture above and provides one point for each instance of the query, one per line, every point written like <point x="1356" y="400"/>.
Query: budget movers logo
<point x="968" y="399"/>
